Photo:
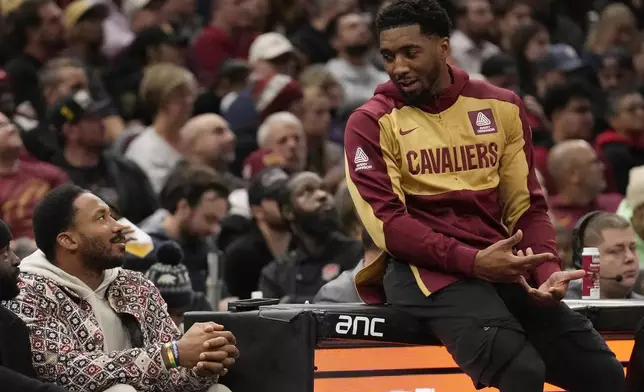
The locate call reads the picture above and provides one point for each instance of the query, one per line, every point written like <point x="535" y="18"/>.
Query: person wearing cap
<point x="267" y="238"/>
<point x="16" y="369"/>
<point x="271" y="54"/>
<point x="77" y="121"/>
<point x="318" y="252"/>
<point x="83" y="20"/>
<point x="552" y="69"/>
<point x="142" y="14"/>
<point x="231" y="80"/>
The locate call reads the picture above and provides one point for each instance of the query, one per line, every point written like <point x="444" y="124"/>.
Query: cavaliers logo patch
<point x="482" y="121"/>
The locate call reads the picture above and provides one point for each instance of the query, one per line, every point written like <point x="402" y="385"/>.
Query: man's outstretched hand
<point x="554" y="289"/>
<point x="497" y="263"/>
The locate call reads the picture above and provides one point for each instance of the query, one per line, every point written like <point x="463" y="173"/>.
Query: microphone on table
<point x="616" y="278"/>
<point x="169" y="253"/>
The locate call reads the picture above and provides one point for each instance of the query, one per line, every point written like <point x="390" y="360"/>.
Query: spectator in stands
<point x="632" y="207"/>
<point x="311" y="37"/>
<point x="510" y="15"/>
<point x="280" y="138"/>
<point x="83" y="156"/>
<point x="152" y="45"/>
<point x="555" y="67"/>
<point x="529" y="44"/>
<point x="569" y="109"/>
<point x="350" y="36"/>
<point x="103" y="320"/>
<point x="169" y="91"/>
<point x="470" y="44"/>
<point x="232" y="79"/>
<point x="37" y="31"/>
<point x="83" y="21"/>
<point x="229" y="35"/>
<point x="615" y="71"/>
<point x="323" y="154"/>
<point x="23" y="183"/>
<point x="16" y="370"/>
<point x="616" y="28"/>
<point x="272" y="54"/>
<point x="207" y="140"/>
<point x="621" y="146"/>
<point x="501" y="70"/>
<point x="619" y="264"/>
<point x="321" y="252"/>
<point x="267" y="238"/>
<point x="578" y="175"/>
<point x="182" y="17"/>
<point x="343" y="289"/>
<point x="193" y="202"/>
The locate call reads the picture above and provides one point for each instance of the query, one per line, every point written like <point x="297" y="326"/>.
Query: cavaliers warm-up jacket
<point x="435" y="183"/>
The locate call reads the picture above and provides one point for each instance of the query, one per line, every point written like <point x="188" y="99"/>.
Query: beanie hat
<point x="171" y="276"/>
<point x="276" y="94"/>
<point x="5" y="235"/>
<point x="635" y="188"/>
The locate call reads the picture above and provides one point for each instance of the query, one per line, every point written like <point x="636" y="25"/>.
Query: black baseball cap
<point x="268" y="184"/>
<point x="74" y="107"/>
<point x="560" y="57"/>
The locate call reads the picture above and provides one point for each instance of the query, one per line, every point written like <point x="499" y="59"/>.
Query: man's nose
<point x="401" y="68"/>
<point x="631" y="257"/>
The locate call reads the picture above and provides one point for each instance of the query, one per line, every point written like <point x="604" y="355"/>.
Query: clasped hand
<point x="498" y="263"/>
<point x="207" y="349"/>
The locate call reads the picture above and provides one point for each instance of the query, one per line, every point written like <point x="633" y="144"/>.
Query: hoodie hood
<point x="37" y="264"/>
<point x="443" y="101"/>
<point x="609" y="136"/>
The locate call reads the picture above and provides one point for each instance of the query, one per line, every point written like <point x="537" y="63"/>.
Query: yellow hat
<point x="8" y="6"/>
<point x="76" y="9"/>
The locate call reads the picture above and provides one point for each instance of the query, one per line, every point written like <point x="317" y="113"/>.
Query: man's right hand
<point x="497" y="263"/>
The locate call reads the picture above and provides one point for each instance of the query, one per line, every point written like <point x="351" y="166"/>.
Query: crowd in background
<point x="219" y="124"/>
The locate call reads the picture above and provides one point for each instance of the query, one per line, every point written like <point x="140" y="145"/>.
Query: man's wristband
<point x="170" y="354"/>
<point x="175" y="351"/>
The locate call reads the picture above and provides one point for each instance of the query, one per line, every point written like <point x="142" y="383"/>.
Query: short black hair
<point x="190" y="182"/>
<point x="614" y="98"/>
<point x="20" y="20"/>
<point x="428" y="14"/>
<point x="560" y="95"/>
<point x="53" y="215"/>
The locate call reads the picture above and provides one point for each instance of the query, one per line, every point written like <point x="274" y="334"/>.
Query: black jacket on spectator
<point x="135" y="198"/>
<point x="298" y="277"/>
<point x="245" y="259"/>
<point x="621" y="155"/>
<point x="16" y="370"/>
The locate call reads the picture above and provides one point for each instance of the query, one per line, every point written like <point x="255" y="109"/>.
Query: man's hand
<point x="554" y="289"/>
<point x="191" y="344"/>
<point x="497" y="263"/>
<point x="219" y="354"/>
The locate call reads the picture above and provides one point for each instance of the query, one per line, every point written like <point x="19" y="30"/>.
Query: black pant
<point x="500" y="338"/>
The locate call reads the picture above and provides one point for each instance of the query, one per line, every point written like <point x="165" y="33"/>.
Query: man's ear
<point x="444" y="48"/>
<point x="68" y="241"/>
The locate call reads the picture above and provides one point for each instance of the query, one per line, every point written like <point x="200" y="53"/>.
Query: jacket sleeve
<point x="59" y="359"/>
<point x="521" y="197"/>
<point x="15" y="381"/>
<point x="374" y="181"/>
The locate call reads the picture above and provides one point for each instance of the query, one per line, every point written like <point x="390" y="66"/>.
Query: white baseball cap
<point x="131" y="7"/>
<point x="269" y="46"/>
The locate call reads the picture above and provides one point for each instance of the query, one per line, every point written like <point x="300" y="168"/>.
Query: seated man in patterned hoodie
<point x="96" y="327"/>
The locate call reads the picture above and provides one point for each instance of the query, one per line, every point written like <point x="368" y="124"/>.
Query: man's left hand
<point x="554" y="289"/>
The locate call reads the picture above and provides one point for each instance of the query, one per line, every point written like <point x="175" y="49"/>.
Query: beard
<point x="8" y="286"/>
<point x="97" y="255"/>
<point x="358" y="50"/>
<point x="318" y="224"/>
<point x="428" y="92"/>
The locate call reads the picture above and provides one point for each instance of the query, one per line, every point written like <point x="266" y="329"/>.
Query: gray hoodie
<point x="116" y="335"/>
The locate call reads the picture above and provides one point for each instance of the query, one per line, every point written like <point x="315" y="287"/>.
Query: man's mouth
<point x="408" y="84"/>
<point x="119" y="239"/>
